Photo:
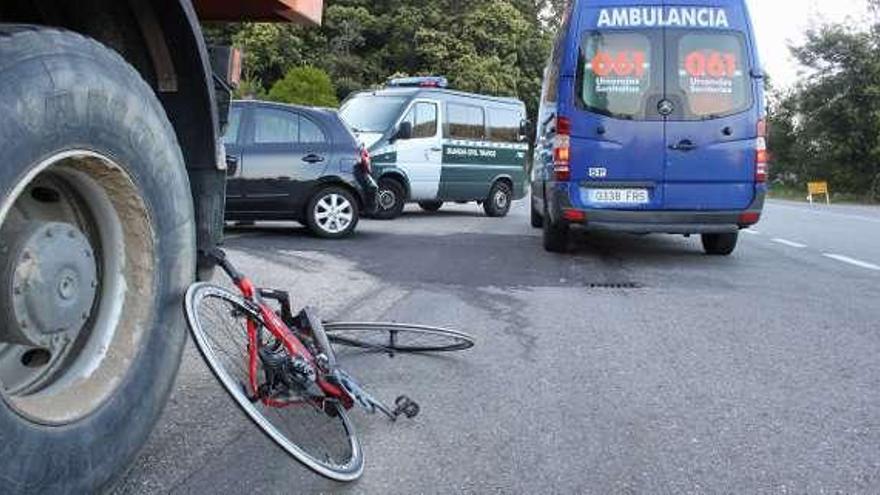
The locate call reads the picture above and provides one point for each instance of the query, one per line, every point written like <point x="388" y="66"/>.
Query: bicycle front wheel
<point x="322" y="439"/>
<point x="395" y="337"/>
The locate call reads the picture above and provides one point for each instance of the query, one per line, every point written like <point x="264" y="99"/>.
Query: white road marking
<point x="788" y="243"/>
<point x="751" y="232"/>
<point x="853" y="261"/>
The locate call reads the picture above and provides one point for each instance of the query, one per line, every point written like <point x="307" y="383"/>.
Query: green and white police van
<point x="432" y="145"/>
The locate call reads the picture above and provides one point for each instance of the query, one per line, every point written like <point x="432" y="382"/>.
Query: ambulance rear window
<point x="618" y="72"/>
<point x="711" y="76"/>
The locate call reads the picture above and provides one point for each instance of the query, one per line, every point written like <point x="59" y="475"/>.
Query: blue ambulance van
<point x="652" y="121"/>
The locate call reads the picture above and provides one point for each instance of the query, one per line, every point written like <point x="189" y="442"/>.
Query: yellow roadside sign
<point x="818" y="189"/>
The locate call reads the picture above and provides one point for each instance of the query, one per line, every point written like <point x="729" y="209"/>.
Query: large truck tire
<point x="97" y="247"/>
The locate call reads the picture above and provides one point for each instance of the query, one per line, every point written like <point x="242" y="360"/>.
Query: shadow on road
<point x="485" y="259"/>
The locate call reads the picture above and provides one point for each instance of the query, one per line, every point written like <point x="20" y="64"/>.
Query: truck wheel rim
<point x="76" y="285"/>
<point x="334" y="213"/>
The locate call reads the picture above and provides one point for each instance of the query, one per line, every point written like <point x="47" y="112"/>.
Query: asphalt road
<point x="631" y="365"/>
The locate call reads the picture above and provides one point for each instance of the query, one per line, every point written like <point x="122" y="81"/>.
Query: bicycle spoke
<point x="323" y="443"/>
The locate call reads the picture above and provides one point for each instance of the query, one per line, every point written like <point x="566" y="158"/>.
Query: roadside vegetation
<point x="496" y="47"/>
<point x="827" y="128"/>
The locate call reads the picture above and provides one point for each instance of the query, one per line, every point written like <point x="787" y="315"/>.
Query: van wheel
<point x="391" y="199"/>
<point x="431" y="206"/>
<point x="536" y="219"/>
<point x="720" y="244"/>
<point x="555" y="235"/>
<point x="498" y="203"/>
<point x="332" y="213"/>
<point x="97" y="246"/>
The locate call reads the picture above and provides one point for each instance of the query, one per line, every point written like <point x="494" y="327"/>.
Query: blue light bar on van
<point x="419" y="82"/>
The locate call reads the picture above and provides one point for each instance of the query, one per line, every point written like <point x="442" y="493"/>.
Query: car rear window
<point x="624" y="74"/>
<point x="712" y="74"/>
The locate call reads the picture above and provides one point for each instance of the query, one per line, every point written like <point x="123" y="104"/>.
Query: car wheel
<point x="97" y="246"/>
<point x="720" y="244"/>
<point x="390" y="199"/>
<point x="431" y="206"/>
<point x="499" y="200"/>
<point x="332" y="213"/>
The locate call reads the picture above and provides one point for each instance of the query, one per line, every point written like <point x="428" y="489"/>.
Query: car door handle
<point x="436" y="149"/>
<point x="684" y="145"/>
<point x="313" y="158"/>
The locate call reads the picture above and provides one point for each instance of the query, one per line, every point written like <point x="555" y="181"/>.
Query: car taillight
<point x="762" y="156"/>
<point x="562" y="150"/>
<point x="366" y="161"/>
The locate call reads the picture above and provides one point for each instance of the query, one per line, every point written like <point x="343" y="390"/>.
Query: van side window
<point x="504" y="125"/>
<point x="617" y="74"/>
<point x="465" y="122"/>
<point x="554" y="66"/>
<point x="423" y="117"/>
<point x="272" y="126"/>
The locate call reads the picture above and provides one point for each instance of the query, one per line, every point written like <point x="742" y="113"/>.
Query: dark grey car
<point x="296" y="163"/>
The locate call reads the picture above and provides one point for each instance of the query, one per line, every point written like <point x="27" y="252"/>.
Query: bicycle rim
<point x="327" y="445"/>
<point x="396" y="337"/>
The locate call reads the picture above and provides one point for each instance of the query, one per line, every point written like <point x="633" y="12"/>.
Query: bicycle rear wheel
<point x="322" y="440"/>
<point x="395" y="337"/>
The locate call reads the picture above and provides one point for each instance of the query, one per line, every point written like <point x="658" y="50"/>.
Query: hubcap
<point x="334" y="213"/>
<point x="387" y="199"/>
<point x="49" y="273"/>
<point x="500" y="199"/>
<point x="76" y="279"/>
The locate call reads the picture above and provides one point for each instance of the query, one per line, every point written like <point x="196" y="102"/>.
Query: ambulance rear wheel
<point x="720" y="244"/>
<point x="391" y="199"/>
<point x="431" y="206"/>
<point x="536" y="219"/>
<point x="555" y="235"/>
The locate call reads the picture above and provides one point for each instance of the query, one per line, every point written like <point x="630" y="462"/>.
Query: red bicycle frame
<point x="286" y="336"/>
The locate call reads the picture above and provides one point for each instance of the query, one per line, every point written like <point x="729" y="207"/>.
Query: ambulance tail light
<point x="562" y="150"/>
<point x="762" y="155"/>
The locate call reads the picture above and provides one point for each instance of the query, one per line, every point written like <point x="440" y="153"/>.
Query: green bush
<point x="305" y="86"/>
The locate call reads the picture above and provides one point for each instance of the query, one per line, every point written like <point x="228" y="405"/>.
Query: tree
<point x="828" y="126"/>
<point x="497" y="47"/>
<point x="305" y="86"/>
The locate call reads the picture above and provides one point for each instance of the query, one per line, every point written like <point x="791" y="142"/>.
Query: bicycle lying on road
<point x="282" y="369"/>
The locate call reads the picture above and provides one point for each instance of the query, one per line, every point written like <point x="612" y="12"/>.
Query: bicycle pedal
<point x="406" y="407"/>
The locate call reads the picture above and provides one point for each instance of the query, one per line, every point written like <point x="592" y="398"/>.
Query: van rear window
<point x="712" y="75"/>
<point x="617" y="72"/>
<point x="625" y="75"/>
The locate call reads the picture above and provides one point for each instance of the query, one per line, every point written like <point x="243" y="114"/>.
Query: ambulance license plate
<point x="619" y="196"/>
